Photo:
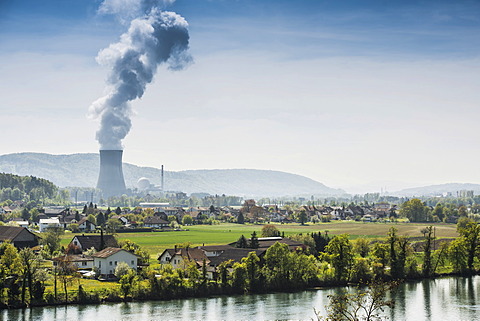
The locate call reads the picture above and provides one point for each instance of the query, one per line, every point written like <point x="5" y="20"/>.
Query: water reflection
<point x="442" y="299"/>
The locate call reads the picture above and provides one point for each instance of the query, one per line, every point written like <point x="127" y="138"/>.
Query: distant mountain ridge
<point x="440" y="189"/>
<point x="82" y="170"/>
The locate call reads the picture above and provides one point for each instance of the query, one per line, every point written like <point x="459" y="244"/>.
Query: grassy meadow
<point x="155" y="242"/>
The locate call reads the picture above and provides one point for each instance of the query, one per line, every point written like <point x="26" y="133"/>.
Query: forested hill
<point x="82" y="170"/>
<point x="14" y="187"/>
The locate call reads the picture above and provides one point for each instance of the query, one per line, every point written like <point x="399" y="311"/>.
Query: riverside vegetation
<point x="329" y="261"/>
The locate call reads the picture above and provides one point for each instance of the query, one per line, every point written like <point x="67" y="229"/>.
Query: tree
<point x="362" y="305"/>
<point x="113" y="225"/>
<point x="30" y="264"/>
<point x="471" y="236"/>
<point x="239" y="276"/>
<point x="223" y="272"/>
<point x="134" y="248"/>
<point x="67" y="272"/>
<point x="253" y="270"/>
<point x="73" y="227"/>
<point x="240" y="218"/>
<point x="242" y="242"/>
<point x="457" y="254"/>
<point x="438" y="211"/>
<point x="270" y="230"/>
<point x="277" y="265"/>
<point x="321" y="241"/>
<point x="462" y="211"/>
<point x="414" y="210"/>
<point x="187" y="220"/>
<point x="9" y="265"/>
<point x="128" y="282"/>
<point x="25" y="214"/>
<point x="100" y="219"/>
<point x="302" y="217"/>
<point x="427" y="267"/>
<point x="340" y="252"/>
<point x="121" y="269"/>
<point x="34" y="214"/>
<point x="380" y="255"/>
<point x="398" y="247"/>
<point x="254" y="243"/>
<point x="362" y="246"/>
<point x="90" y="209"/>
<point x="51" y="238"/>
<point x="92" y="219"/>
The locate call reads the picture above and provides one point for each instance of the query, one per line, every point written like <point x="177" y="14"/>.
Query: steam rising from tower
<point x="153" y="37"/>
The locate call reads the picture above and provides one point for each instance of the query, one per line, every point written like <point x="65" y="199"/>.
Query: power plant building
<point x="110" y="178"/>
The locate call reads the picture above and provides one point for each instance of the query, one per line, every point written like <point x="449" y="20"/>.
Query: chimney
<point x="110" y="178"/>
<point x="163" y="180"/>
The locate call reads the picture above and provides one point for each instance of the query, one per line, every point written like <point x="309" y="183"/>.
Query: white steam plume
<point x="154" y="38"/>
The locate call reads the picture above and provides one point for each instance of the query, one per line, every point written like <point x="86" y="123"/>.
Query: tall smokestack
<point x="163" y="180"/>
<point x="110" y="179"/>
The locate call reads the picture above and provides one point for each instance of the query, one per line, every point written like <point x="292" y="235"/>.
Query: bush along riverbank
<point x="336" y="261"/>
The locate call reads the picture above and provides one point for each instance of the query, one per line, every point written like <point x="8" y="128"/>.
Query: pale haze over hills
<point x="82" y="170"/>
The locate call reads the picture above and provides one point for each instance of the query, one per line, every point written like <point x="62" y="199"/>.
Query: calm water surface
<point x="441" y="299"/>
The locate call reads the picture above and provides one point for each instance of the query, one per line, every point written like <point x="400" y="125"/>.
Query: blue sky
<point x="355" y="94"/>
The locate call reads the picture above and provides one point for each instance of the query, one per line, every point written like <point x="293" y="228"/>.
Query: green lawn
<point x="156" y="242"/>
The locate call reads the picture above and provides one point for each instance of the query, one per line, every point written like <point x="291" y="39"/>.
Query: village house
<point x="66" y="220"/>
<point x="180" y="257"/>
<point x="107" y="260"/>
<point x="155" y="222"/>
<point x="20" y="237"/>
<point x="98" y="242"/>
<point x="214" y="255"/>
<point x="81" y="261"/>
<point x="18" y="221"/>
<point x="46" y="223"/>
<point x="56" y="211"/>
<point x="85" y="225"/>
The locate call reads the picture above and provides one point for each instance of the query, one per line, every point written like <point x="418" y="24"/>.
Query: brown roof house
<point x="155" y="222"/>
<point x="98" y="242"/>
<point x="180" y="257"/>
<point x="107" y="260"/>
<point x="215" y="254"/>
<point x="20" y="237"/>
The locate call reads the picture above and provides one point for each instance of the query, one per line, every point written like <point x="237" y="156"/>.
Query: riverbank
<point x="449" y="298"/>
<point x="108" y="295"/>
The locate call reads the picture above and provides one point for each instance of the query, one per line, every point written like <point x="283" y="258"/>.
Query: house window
<point x="115" y="262"/>
<point x="84" y="263"/>
<point x="111" y="263"/>
<point x="100" y="264"/>
<point x="133" y="262"/>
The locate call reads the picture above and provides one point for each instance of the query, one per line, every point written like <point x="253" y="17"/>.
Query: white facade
<point x="46" y="223"/>
<point x="107" y="265"/>
<point x="86" y="225"/>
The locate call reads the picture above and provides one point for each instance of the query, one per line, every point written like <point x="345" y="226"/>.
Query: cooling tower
<point x="110" y="178"/>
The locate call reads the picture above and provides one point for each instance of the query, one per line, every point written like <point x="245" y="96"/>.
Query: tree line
<point x="328" y="260"/>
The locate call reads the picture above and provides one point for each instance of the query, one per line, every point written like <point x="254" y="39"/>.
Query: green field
<point x="156" y="242"/>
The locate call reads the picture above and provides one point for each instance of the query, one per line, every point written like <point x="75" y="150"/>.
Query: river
<point x="451" y="298"/>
